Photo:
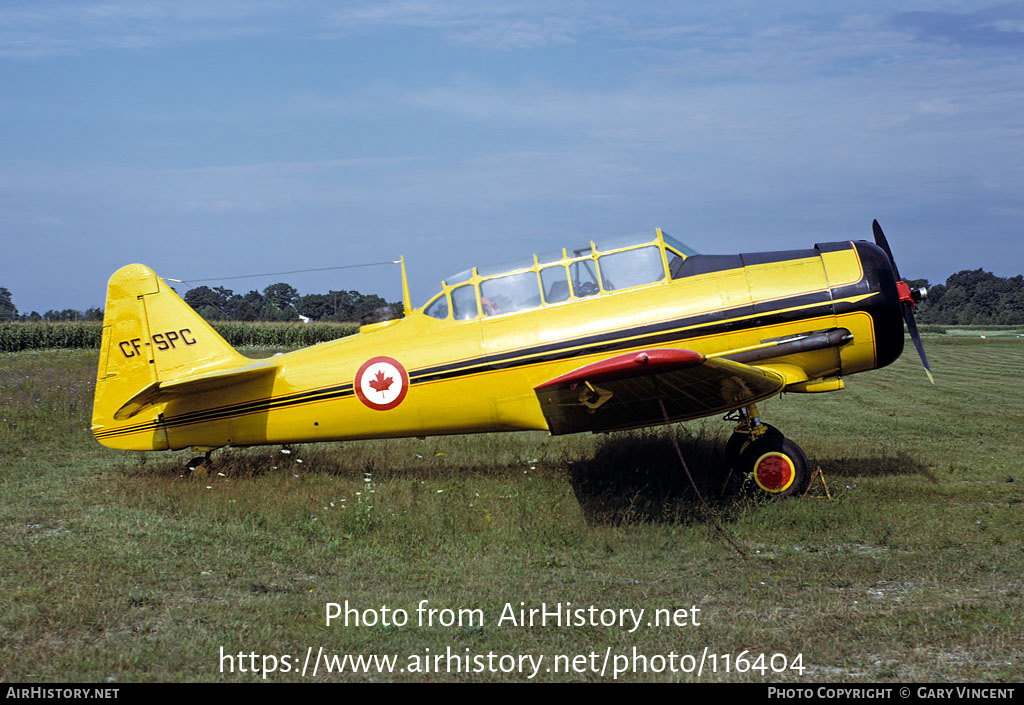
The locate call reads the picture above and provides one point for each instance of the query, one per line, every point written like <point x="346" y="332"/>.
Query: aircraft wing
<point x="166" y="390"/>
<point x="627" y="391"/>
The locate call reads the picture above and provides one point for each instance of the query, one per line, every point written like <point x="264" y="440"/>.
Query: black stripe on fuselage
<point x="250" y="407"/>
<point x="701" y="325"/>
<point x="710" y="323"/>
<point x="654" y="334"/>
<point x="710" y="264"/>
<point x="332" y="392"/>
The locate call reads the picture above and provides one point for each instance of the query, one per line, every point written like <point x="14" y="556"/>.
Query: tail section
<point x="153" y="341"/>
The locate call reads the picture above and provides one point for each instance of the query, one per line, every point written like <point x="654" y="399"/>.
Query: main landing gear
<point x="776" y="465"/>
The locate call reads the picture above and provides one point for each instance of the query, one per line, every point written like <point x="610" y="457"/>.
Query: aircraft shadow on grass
<point x="638" y="477"/>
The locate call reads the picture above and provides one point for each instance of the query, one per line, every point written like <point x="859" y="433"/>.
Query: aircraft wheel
<point x="777" y="466"/>
<point x="738" y="442"/>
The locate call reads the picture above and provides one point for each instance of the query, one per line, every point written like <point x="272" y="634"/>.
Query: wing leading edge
<point x="623" y="392"/>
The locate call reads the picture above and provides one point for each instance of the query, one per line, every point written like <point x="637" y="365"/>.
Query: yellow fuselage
<point x="467" y="376"/>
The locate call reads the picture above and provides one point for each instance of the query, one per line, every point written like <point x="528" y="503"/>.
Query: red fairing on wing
<point x="648" y="362"/>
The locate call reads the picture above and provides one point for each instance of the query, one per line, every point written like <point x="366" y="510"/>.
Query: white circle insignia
<point x="381" y="383"/>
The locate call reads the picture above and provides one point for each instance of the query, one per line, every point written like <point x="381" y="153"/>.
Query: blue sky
<point x="225" y="138"/>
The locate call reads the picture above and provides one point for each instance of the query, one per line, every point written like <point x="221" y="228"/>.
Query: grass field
<point x="117" y="567"/>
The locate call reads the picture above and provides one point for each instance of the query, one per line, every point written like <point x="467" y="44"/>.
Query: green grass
<point x="120" y="567"/>
<point x="973" y="331"/>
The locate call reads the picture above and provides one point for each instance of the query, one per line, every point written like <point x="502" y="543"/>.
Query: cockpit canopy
<point x="559" y="276"/>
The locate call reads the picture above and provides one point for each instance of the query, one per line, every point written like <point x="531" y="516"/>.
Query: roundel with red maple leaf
<point x="381" y="383"/>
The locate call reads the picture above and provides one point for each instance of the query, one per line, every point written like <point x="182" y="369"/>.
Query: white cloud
<point x="506" y="25"/>
<point x="33" y="30"/>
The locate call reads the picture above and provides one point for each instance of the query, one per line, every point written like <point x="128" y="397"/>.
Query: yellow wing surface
<point x="641" y="389"/>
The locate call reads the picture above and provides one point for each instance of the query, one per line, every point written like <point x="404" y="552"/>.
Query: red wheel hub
<point x="774" y="472"/>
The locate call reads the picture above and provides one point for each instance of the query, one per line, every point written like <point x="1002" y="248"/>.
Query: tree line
<point x="282" y="302"/>
<point x="973" y="297"/>
<point x="277" y="302"/>
<point x="969" y="297"/>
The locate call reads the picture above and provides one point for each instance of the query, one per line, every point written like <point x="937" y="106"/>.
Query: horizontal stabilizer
<point x="166" y="390"/>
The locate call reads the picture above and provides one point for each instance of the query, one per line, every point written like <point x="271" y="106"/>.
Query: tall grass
<point x="16" y="337"/>
<point x="264" y="334"/>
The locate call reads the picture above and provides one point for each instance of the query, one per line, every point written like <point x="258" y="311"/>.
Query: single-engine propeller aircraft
<point x="600" y="337"/>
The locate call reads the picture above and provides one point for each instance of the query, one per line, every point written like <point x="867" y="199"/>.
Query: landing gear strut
<point x="758" y="451"/>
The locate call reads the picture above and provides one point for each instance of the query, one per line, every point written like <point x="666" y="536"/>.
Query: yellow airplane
<point x="602" y="337"/>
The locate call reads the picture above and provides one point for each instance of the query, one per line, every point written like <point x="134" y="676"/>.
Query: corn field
<point x="15" y="337"/>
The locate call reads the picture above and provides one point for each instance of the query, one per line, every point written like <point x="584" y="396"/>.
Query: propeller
<point x="908" y="298"/>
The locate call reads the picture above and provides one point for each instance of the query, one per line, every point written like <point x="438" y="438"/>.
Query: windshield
<point x="678" y="246"/>
<point x="601" y="266"/>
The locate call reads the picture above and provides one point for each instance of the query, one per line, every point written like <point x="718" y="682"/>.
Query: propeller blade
<point x="906" y="297"/>
<point x="884" y="244"/>
<point x="908" y="316"/>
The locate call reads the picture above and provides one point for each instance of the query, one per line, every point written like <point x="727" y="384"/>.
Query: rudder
<point x="149" y="335"/>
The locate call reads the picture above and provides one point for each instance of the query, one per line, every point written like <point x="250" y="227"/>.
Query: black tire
<point x="773" y="480"/>
<point x="738" y="442"/>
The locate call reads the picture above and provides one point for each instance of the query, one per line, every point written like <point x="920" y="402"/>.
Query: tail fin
<point x="150" y="337"/>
